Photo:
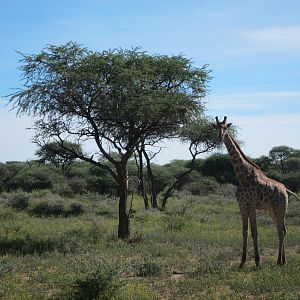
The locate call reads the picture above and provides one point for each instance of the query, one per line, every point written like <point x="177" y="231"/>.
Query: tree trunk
<point x="123" y="228"/>
<point x="151" y="180"/>
<point x="168" y="194"/>
<point x="141" y="178"/>
<point x="178" y="181"/>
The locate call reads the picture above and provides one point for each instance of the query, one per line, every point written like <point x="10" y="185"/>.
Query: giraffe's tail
<point x="292" y="193"/>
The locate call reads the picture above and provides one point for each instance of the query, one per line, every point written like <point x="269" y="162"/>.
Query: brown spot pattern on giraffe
<point x="255" y="191"/>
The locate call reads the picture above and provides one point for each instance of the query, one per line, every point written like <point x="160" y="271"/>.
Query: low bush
<point x="62" y="189"/>
<point x="45" y="209"/>
<point x="75" y="209"/>
<point x="149" y="269"/>
<point x="25" y="244"/>
<point x="292" y="181"/>
<point x="18" y="201"/>
<point x="53" y="209"/>
<point x="203" y="186"/>
<point x="77" y="185"/>
<point x="95" y="278"/>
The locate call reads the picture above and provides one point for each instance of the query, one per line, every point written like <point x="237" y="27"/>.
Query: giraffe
<point x="255" y="191"/>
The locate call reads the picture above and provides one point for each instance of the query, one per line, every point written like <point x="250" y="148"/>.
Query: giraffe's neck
<point x="244" y="169"/>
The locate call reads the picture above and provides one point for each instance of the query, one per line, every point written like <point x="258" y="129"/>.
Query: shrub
<point x="52" y="209"/>
<point x="97" y="285"/>
<point x="77" y="185"/>
<point x="203" y="186"/>
<point x="227" y="191"/>
<point x="149" y="268"/>
<point x="208" y="266"/>
<point x="220" y="167"/>
<point x="292" y="181"/>
<point x="44" y="209"/>
<point x="95" y="279"/>
<point x="31" y="178"/>
<point x="25" y="244"/>
<point x="75" y="209"/>
<point x="175" y="223"/>
<point x="62" y="189"/>
<point x="18" y="201"/>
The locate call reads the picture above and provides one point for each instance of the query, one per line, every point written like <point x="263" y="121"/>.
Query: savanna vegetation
<point x="59" y="239"/>
<point x="112" y="224"/>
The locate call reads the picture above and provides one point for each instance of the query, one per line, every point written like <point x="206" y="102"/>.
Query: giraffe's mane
<point x="244" y="156"/>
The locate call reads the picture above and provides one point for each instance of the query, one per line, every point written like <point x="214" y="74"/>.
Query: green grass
<point x="185" y="253"/>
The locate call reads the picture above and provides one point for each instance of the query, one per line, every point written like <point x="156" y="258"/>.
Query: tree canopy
<point x="116" y="98"/>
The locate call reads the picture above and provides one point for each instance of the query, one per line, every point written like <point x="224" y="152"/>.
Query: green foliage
<point x="44" y="209"/>
<point x="62" y="188"/>
<point x="199" y="134"/>
<point x="220" y="167"/>
<point x="293" y="164"/>
<point x="96" y="279"/>
<point x="264" y="162"/>
<point x="202" y="186"/>
<point x="75" y="258"/>
<point x="123" y="96"/>
<point x="54" y="154"/>
<point x="52" y="209"/>
<point x="78" y="185"/>
<point x="27" y="176"/>
<point x="76" y="209"/>
<point x="149" y="268"/>
<point x="280" y="154"/>
<point x="291" y="181"/>
<point x="29" y="179"/>
<point x="25" y="244"/>
<point x="19" y="200"/>
<point x="175" y="223"/>
<point x="100" y="181"/>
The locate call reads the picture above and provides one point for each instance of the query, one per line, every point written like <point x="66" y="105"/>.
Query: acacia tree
<point x="115" y="99"/>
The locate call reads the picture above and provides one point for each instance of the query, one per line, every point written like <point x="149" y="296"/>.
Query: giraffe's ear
<point x="229" y="125"/>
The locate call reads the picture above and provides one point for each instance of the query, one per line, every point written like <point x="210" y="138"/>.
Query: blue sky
<point x="252" y="48"/>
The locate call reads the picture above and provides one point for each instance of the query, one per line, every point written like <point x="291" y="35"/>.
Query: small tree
<point x="53" y="154"/>
<point x="280" y="154"/>
<point x="114" y="98"/>
<point x="198" y="133"/>
<point x="220" y="167"/>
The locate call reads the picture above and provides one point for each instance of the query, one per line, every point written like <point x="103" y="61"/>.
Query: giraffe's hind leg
<point x="254" y="234"/>
<point x="278" y="213"/>
<point x="281" y="234"/>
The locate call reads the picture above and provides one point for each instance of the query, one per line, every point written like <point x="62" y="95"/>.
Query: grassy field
<point x="192" y="251"/>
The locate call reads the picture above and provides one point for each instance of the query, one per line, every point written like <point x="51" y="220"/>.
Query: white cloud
<point x="251" y="101"/>
<point x="261" y="133"/>
<point x="274" y="38"/>
<point x="258" y="133"/>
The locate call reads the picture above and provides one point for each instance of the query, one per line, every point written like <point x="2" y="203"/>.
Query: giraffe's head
<point x="222" y="126"/>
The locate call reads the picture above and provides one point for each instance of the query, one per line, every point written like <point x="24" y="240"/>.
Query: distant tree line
<point x="282" y="163"/>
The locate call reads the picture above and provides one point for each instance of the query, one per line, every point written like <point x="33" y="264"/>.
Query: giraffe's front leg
<point x="254" y="234"/>
<point x="245" y="237"/>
